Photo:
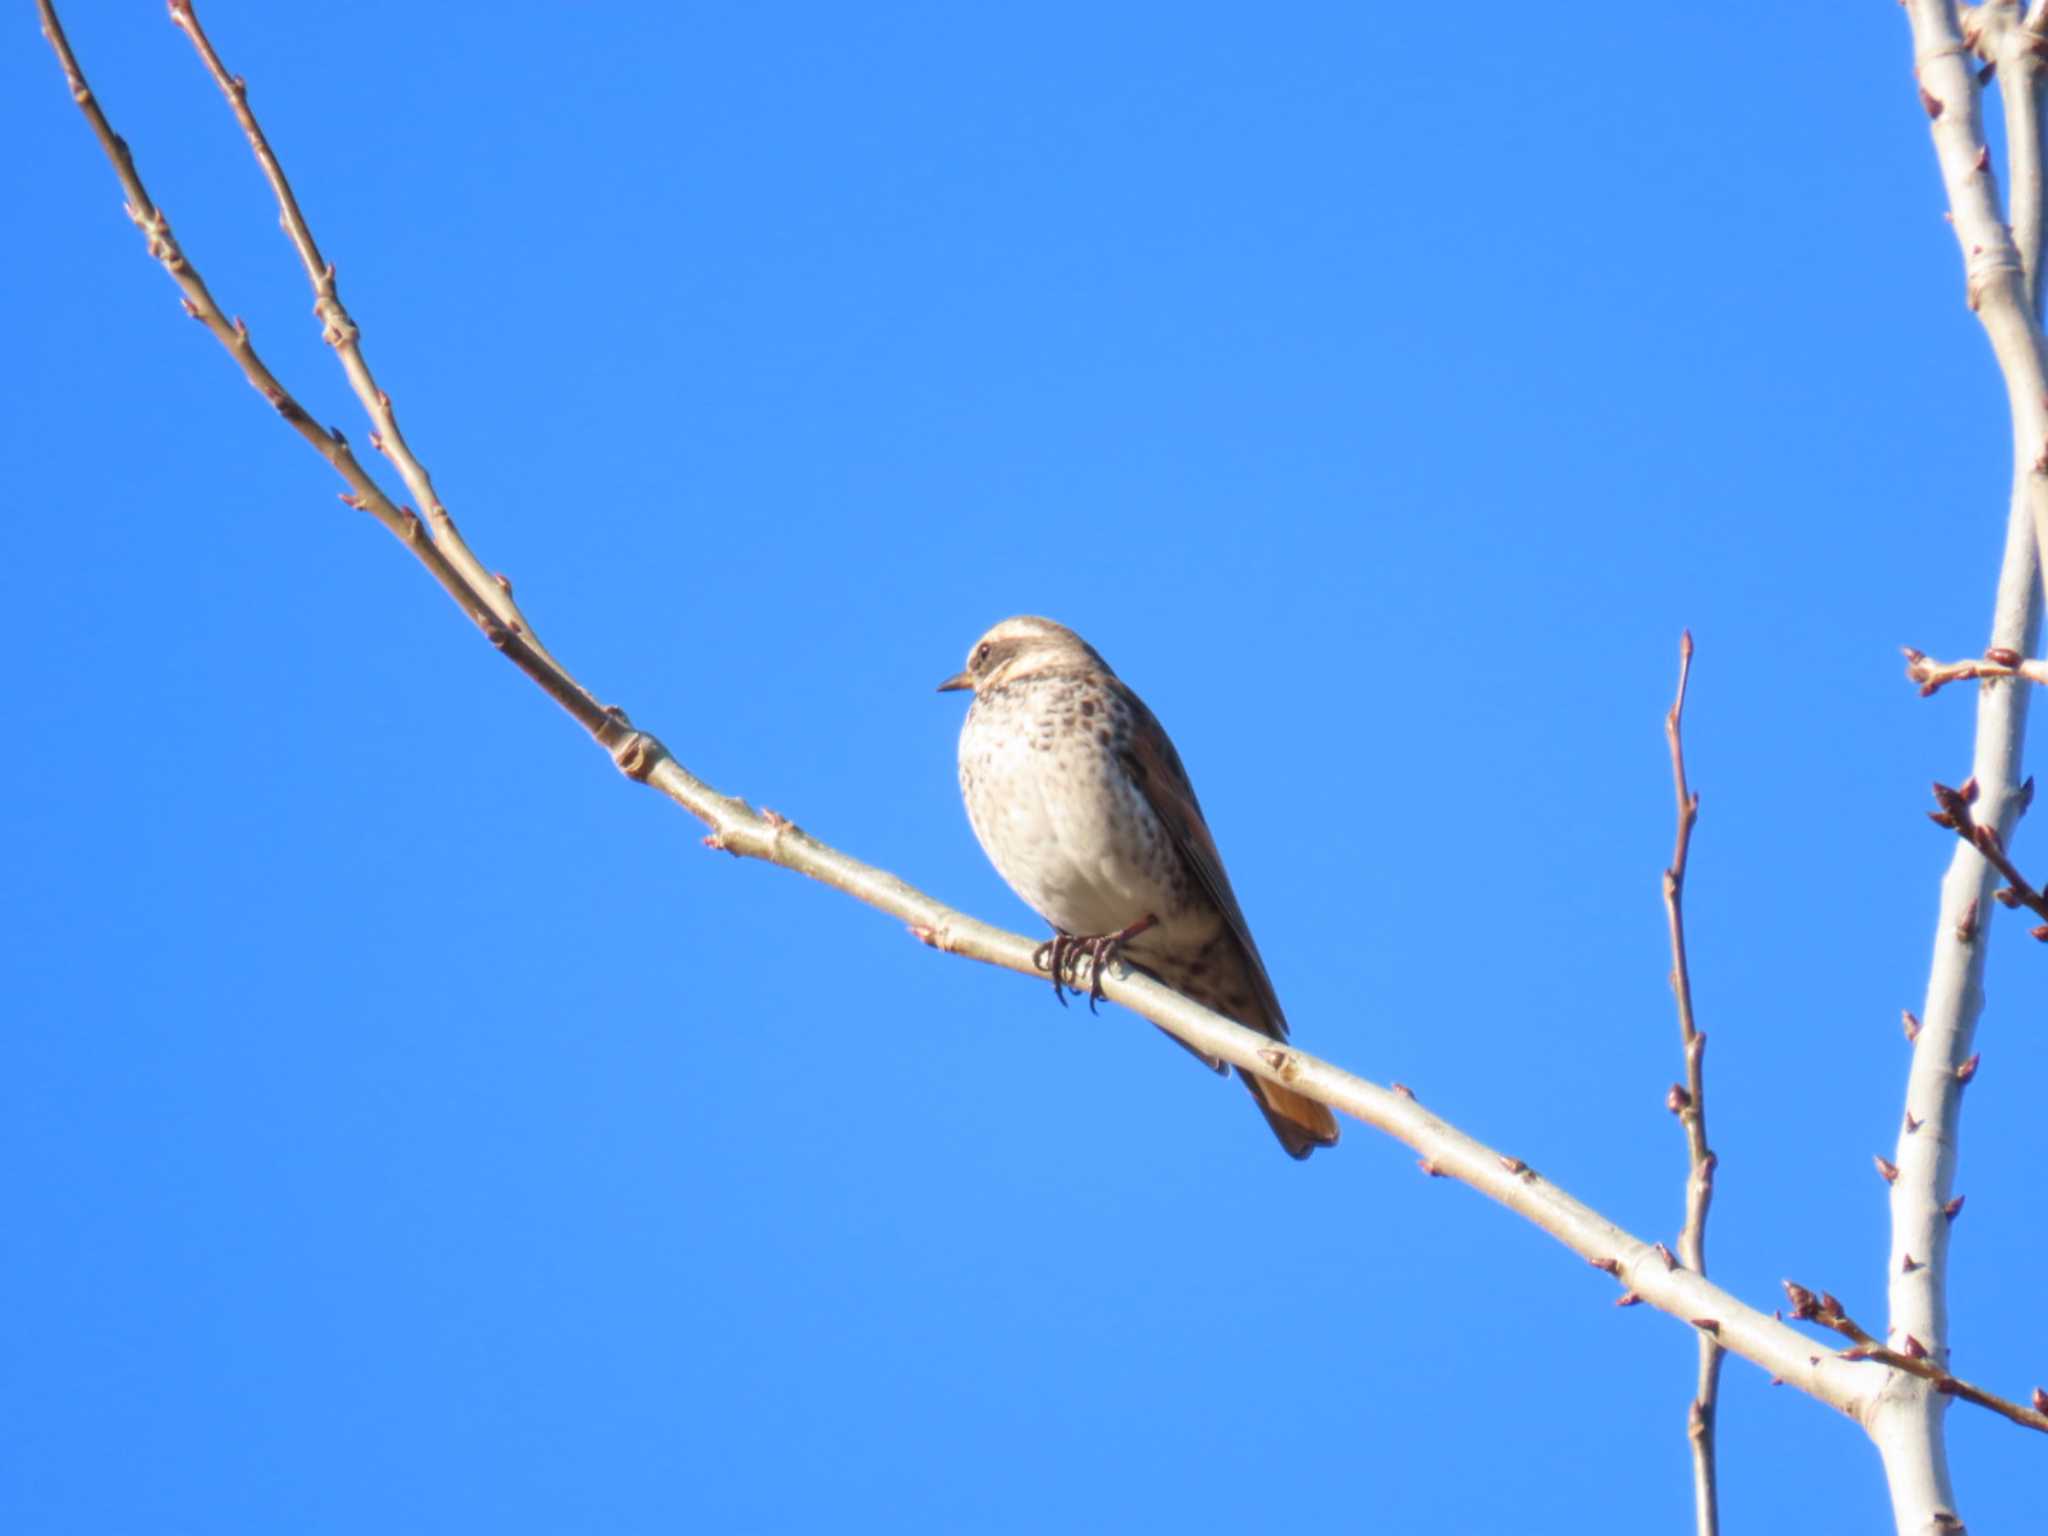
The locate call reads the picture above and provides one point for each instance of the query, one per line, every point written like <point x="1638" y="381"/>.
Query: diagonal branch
<point x="340" y="332"/>
<point x="1911" y="1357"/>
<point x="1689" y="1103"/>
<point x="1955" y="813"/>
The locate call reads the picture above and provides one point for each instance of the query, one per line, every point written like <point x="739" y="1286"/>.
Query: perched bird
<point x="1082" y="805"/>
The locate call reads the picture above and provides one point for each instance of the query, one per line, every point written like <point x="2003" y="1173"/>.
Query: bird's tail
<point x="1301" y="1123"/>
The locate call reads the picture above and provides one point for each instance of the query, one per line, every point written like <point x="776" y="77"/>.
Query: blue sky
<point x="410" y="1126"/>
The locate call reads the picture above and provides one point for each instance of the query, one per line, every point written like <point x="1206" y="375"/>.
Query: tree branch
<point x="1907" y="1422"/>
<point x="1911" y="1357"/>
<point x="1996" y="284"/>
<point x="1689" y="1103"/>
<point x="1955" y="813"/>
<point x="1998" y="662"/>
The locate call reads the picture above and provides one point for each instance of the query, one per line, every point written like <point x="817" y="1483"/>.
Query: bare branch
<point x="1689" y="1103"/>
<point x="340" y="332"/>
<point x="1998" y="662"/>
<point x="1996" y="284"/>
<point x="1907" y="1423"/>
<point x="1912" y="1357"/>
<point x="1955" y="813"/>
<point x="364" y="493"/>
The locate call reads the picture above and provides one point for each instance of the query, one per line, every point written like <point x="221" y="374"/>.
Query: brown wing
<point x="1302" y="1124"/>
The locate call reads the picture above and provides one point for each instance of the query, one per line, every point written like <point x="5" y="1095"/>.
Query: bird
<point x="1079" y="799"/>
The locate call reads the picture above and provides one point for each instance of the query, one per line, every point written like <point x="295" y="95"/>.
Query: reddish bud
<point x="1888" y="1171"/>
<point x="1953" y="1209"/>
<point x="1628" y="1299"/>
<point x="1968" y="1069"/>
<point x="1405" y="1091"/>
<point x="2003" y="655"/>
<point x="1678" y="1101"/>
<point x="1912" y="1024"/>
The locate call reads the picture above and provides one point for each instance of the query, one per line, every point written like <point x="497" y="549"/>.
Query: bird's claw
<point x="1103" y="950"/>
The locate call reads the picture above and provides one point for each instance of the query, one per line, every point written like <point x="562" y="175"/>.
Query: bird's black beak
<point x="956" y="682"/>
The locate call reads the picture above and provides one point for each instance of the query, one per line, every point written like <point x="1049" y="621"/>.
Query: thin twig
<point x="340" y="332"/>
<point x="1914" y="1358"/>
<point x="364" y="493"/>
<point x="1955" y="813"/>
<point x="1689" y="1103"/>
<point x="1998" y="662"/>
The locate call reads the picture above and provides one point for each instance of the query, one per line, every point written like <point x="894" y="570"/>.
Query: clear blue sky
<point x="408" y="1126"/>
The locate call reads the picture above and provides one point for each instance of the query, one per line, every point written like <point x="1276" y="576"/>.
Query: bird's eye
<point x="981" y="653"/>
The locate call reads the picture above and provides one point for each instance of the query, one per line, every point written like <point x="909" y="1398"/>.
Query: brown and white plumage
<point x="1080" y="801"/>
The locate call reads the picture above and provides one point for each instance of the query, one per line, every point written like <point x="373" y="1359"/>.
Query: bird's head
<point x="1018" y="648"/>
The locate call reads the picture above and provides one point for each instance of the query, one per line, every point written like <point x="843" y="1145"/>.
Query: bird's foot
<point x="1054" y="956"/>
<point x="1059" y="955"/>
<point x="1105" y="949"/>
